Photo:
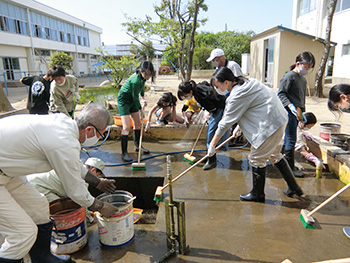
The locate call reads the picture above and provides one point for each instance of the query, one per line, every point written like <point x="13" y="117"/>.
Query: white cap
<point x="95" y="162"/>
<point x="217" y="52"/>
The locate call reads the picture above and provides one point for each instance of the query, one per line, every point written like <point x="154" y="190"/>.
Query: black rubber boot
<point x="137" y="134"/>
<point x="40" y="251"/>
<point x="257" y="193"/>
<point x="125" y="156"/>
<point x="4" y="260"/>
<point x="289" y="154"/>
<point x="211" y="163"/>
<point x="287" y="174"/>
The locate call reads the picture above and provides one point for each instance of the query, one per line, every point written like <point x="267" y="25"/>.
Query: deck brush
<point x="139" y="166"/>
<point x="188" y="157"/>
<point x="159" y="191"/>
<point x="306" y="217"/>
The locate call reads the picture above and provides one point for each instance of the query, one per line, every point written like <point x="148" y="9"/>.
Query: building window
<point x="342" y="5"/>
<point x="345" y="50"/>
<point x="306" y="6"/>
<point x="47" y="33"/>
<point x="37" y="31"/>
<point x="3" y="23"/>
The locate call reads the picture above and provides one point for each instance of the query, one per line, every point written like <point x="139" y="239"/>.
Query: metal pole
<point x="7" y="92"/>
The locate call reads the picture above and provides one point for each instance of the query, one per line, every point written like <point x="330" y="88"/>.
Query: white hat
<point x="95" y="162"/>
<point x="217" y="52"/>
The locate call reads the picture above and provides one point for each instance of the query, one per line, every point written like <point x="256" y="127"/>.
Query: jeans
<point x="213" y="125"/>
<point x="290" y="135"/>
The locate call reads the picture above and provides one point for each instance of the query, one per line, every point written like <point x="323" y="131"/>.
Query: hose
<point x="156" y="155"/>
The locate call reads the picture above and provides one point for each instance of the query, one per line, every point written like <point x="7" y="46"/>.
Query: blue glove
<point x="293" y="109"/>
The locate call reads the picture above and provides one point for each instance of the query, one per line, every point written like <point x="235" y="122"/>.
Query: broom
<point x="188" y="157"/>
<point x="139" y="166"/>
<point x="159" y="191"/>
<point x="306" y="216"/>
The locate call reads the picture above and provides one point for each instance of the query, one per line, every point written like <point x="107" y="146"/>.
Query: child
<point x="300" y="145"/>
<point x="191" y="109"/>
<point x="129" y="105"/>
<point x="165" y="110"/>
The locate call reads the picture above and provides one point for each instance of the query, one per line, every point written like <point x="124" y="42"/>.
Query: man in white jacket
<point x="39" y="143"/>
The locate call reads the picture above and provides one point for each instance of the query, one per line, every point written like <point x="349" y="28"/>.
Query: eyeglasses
<point x="101" y="135"/>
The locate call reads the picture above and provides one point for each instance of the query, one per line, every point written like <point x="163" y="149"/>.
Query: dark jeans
<point x="290" y="135"/>
<point x="213" y="125"/>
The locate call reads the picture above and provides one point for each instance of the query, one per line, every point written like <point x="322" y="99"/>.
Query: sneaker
<point x="160" y="122"/>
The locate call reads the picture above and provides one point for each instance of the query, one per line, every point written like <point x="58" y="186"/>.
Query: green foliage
<point x="117" y="70"/>
<point x="61" y="59"/>
<point x="200" y="55"/>
<point x="145" y="51"/>
<point x="98" y="95"/>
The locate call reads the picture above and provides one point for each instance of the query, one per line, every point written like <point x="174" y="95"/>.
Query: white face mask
<point x="219" y="91"/>
<point x="188" y="98"/>
<point x="61" y="84"/>
<point x="90" y="141"/>
<point x="215" y="63"/>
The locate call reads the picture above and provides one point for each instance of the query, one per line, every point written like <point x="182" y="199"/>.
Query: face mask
<point x="90" y="141"/>
<point x="215" y="63"/>
<point x="188" y="98"/>
<point x="347" y="109"/>
<point x="302" y="71"/>
<point x="64" y="82"/>
<point x="219" y="91"/>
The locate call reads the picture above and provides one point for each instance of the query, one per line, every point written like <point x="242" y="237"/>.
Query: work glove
<point x="147" y="126"/>
<point x="144" y="103"/>
<point x="293" y="109"/>
<point x="106" y="185"/>
<point x="77" y="96"/>
<point x="207" y="115"/>
<point x="108" y="210"/>
<point x="211" y="151"/>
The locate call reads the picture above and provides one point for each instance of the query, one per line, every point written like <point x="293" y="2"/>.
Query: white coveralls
<point x="33" y="144"/>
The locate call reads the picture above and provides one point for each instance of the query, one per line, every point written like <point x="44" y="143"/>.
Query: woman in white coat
<point x="262" y="119"/>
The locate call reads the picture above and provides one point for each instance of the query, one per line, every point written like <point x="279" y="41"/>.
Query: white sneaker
<point x="160" y="123"/>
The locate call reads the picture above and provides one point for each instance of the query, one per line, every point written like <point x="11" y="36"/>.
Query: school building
<point x="30" y="32"/>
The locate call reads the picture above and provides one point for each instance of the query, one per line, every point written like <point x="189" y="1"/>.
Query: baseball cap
<point x="96" y="162"/>
<point x="217" y="52"/>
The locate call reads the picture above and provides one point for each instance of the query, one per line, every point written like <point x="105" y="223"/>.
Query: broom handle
<point x="140" y="142"/>
<point x="328" y="200"/>
<point x="205" y="157"/>
<point x="199" y="134"/>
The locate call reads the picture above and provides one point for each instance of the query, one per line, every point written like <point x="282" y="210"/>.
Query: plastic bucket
<point x="118" y="121"/>
<point x="341" y="140"/>
<point x="119" y="229"/>
<point x="69" y="233"/>
<point x="326" y="129"/>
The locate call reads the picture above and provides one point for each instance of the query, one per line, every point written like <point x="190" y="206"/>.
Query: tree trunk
<point x="5" y="105"/>
<point x="327" y="47"/>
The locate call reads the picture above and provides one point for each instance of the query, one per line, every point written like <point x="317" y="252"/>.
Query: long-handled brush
<point x="306" y="216"/>
<point x="188" y="157"/>
<point x="159" y="191"/>
<point x="139" y="166"/>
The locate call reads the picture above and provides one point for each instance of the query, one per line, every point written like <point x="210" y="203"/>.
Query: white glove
<point x="77" y="96"/>
<point x="186" y="120"/>
<point x="211" y="151"/>
<point x="143" y="102"/>
<point x="147" y="126"/>
<point x="207" y="115"/>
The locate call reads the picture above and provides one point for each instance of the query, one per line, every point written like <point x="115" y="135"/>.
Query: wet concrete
<point x="220" y="227"/>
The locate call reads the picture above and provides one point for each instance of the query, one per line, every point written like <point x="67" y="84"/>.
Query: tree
<point x="117" y="69"/>
<point x="327" y="47"/>
<point x="145" y="51"/>
<point x="61" y="59"/>
<point x="178" y="21"/>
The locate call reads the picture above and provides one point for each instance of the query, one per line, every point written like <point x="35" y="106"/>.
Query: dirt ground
<point x="318" y="106"/>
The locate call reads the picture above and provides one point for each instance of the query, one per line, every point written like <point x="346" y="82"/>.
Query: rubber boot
<point x="137" y="134"/>
<point x="40" y="251"/>
<point x="287" y="174"/>
<point x="289" y="154"/>
<point x="4" y="260"/>
<point x="257" y="193"/>
<point x="211" y="163"/>
<point x="125" y="156"/>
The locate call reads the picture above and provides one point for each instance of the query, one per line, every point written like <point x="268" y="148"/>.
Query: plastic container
<point x="341" y="140"/>
<point x="118" y="121"/>
<point x="69" y="232"/>
<point x="326" y="129"/>
<point x="118" y="230"/>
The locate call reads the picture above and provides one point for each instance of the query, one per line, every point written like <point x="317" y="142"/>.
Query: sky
<point x="234" y="15"/>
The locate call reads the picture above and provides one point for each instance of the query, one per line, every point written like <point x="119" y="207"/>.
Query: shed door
<point x="269" y="60"/>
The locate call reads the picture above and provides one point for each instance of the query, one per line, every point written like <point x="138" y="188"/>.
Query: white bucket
<point x="69" y="233"/>
<point x="119" y="229"/>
